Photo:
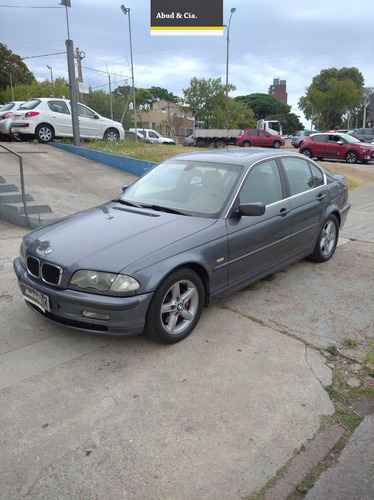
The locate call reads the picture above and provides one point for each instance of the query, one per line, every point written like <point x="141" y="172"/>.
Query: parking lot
<point x="215" y="416"/>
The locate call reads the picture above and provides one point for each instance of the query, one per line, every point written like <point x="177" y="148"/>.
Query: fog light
<point x="93" y="315"/>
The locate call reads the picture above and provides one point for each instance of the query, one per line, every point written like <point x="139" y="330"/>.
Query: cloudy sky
<point x="292" y="40"/>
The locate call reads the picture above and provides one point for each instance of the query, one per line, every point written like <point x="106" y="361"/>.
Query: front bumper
<point x="126" y="314"/>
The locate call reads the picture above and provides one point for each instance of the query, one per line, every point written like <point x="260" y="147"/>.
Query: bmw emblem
<point x="48" y="251"/>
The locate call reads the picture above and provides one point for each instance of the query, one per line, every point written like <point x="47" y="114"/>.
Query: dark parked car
<point x="196" y="227"/>
<point x="338" y="147"/>
<point x="363" y="134"/>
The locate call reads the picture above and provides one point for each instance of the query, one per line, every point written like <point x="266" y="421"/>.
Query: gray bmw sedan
<point x="196" y="227"/>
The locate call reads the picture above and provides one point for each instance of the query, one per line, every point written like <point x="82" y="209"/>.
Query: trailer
<point x="218" y="137"/>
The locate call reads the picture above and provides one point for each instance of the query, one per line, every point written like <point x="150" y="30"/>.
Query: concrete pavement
<point x="213" y="417"/>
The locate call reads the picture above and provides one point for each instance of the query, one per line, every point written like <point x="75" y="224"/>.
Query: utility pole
<point x="79" y="56"/>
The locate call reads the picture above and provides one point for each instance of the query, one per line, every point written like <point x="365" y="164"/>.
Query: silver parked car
<point x="6" y="113"/>
<point x="300" y="137"/>
<point x="199" y="226"/>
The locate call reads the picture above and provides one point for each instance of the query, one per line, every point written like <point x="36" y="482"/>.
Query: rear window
<point x="32" y="104"/>
<point x="7" y="107"/>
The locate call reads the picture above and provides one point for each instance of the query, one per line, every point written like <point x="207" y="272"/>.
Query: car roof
<point x="237" y="156"/>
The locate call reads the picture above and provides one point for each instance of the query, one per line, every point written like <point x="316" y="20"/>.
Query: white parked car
<point x="6" y="113"/>
<point x="151" y="136"/>
<point x="47" y="118"/>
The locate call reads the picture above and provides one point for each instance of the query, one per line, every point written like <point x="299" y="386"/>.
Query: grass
<point x="350" y="342"/>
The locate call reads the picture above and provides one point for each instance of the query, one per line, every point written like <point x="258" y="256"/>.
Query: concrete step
<point x="43" y="219"/>
<point x="33" y="207"/>
<point x="8" y="187"/>
<point x="14" y="197"/>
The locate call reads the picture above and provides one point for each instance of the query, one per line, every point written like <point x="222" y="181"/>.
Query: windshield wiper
<point x="159" y="208"/>
<point x="125" y="202"/>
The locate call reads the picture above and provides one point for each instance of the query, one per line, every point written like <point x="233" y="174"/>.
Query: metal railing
<point x="22" y="182"/>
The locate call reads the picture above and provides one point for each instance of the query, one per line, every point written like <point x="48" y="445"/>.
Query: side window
<point x="252" y="132"/>
<point x="153" y="135"/>
<point x="298" y="174"/>
<point x="59" y="107"/>
<point x="262" y="184"/>
<point x="318" y="177"/>
<point x="83" y="111"/>
<point x="319" y="138"/>
<point x="262" y="133"/>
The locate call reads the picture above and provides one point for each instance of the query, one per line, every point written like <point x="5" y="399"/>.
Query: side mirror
<point x="339" y="142"/>
<point x="251" y="209"/>
<point x="96" y="117"/>
<point x="124" y="187"/>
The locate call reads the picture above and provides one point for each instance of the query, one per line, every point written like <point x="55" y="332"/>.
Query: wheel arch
<point x="161" y="271"/>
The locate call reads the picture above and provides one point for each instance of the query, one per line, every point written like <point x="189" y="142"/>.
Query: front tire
<point x="111" y="135"/>
<point x="327" y="240"/>
<point x="246" y="144"/>
<point x="176" y="307"/>
<point x="276" y="144"/>
<point x="220" y="143"/>
<point x="44" y="133"/>
<point x="351" y="157"/>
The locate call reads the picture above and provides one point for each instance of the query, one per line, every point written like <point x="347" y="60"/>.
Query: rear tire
<point x="220" y="143"/>
<point x="307" y="152"/>
<point x="44" y="133"/>
<point x="327" y="240"/>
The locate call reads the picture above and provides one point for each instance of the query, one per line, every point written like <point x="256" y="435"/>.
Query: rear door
<point x="60" y="118"/>
<point x="308" y="198"/>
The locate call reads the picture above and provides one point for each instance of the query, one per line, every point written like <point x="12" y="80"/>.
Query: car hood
<point x="112" y="237"/>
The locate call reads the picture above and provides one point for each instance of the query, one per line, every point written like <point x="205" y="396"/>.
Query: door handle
<point x="284" y="211"/>
<point x="321" y="196"/>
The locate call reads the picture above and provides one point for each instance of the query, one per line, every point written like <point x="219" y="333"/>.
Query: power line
<point x="27" y="7"/>
<point x="43" y="55"/>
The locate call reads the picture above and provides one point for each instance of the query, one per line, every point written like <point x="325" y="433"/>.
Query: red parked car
<point x="337" y="146"/>
<point x="258" y="137"/>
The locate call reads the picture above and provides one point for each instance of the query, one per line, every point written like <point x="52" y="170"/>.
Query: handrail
<point x="22" y="182"/>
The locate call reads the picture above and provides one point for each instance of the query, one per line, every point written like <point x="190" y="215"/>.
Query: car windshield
<point x="349" y="138"/>
<point x="197" y="188"/>
<point x="31" y="104"/>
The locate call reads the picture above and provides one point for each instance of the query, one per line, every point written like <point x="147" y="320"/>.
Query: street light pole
<point x="127" y="11"/>
<point x="233" y="9"/>
<point x="53" y="89"/>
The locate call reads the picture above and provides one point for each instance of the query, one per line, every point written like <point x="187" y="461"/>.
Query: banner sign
<point x="186" y="17"/>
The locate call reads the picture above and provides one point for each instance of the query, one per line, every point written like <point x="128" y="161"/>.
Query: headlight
<point x="22" y="251"/>
<point x="104" y="282"/>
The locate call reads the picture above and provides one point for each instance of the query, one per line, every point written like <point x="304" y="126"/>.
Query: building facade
<point x="168" y="118"/>
<point x="278" y="90"/>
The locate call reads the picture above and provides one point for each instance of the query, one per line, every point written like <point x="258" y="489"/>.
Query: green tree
<point x="12" y="67"/>
<point x="160" y="93"/>
<point x="332" y="94"/>
<point x="206" y="99"/>
<point x="264" y="105"/>
<point x="36" y="89"/>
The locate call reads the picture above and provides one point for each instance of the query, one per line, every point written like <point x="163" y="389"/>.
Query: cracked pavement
<point x="215" y="416"/>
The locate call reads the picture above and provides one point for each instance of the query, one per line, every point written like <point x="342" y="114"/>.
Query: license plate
<point x="38" y="299"/>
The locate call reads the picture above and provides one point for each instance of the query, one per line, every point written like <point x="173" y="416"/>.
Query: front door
<point x="259" y="244"/>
